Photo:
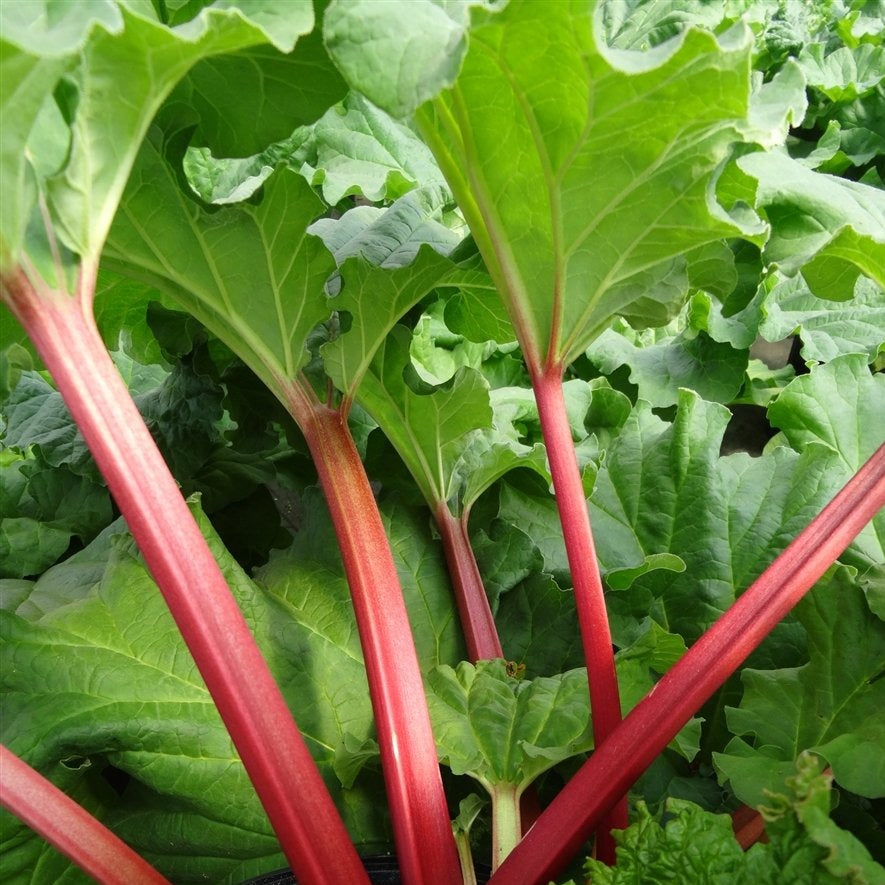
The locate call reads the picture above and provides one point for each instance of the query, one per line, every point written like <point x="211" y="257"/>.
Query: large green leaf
<point x="665" y="489"/>
<point x="249" y="272"/>
<point x="577" y="216"/>
<point x="96" y="675"/>
<point x="839" y="405"/>
<point x="834" y="705"/>
<point x="150" y="58"/>
<point x="105" y="681"/>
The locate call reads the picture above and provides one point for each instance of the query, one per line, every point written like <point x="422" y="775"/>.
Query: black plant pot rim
<point x="383" y="869"/>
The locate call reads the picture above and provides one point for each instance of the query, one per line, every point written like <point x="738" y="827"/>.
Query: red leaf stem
<point x="605" y="702"/>
<point x="748" y="825"/>
<point x="424" y="840"/>
<point x="477" y="622"/>
<point x="273" y="751"/>
<point x="614" y="766"/>
<point x="69" y="827"/>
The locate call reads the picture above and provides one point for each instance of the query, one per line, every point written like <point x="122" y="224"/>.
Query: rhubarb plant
<point x="520" y="276"/>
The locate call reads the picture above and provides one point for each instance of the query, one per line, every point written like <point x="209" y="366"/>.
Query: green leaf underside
<point x="585" y="216"/>
<point x="834" y="705"/>
<point x="250" y="273"/>
<point x="150" y="58"/>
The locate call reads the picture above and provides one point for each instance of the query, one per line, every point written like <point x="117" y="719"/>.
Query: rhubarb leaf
<point x="827" y="328"/>
<point x="357" y="149"/>
<point x="398" y="54"/>
<point x="834" y="705"/>
<point x="829" y="228"/>
<point x="42" y="509"/>
<point x="503" y="730"/>
<point x="660" y="367"/>
<point x="697" y="847"/>
<point x="664" y="489"/>
<point x="35" y="415"/>
<point x="222" y="265"/>
<point x="563" y="273"/>
<point x="129" y="697"/>
<point x="150" y="58"/>
<point x="839" y="405"/>
<point x="447" y="435"/>
<point x="844" y="74"/>
<point x="389" y="237"/>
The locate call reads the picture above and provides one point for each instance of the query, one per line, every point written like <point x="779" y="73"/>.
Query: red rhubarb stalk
<point x="273" y="751"/>
<point x="425" y="843"/>
<point x="69" y="827"/>
<point x="571" y="502"/>
<point x="573" y="815"/>
<point x="477" y="622"/>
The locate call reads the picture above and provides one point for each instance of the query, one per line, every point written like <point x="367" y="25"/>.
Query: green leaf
<point x="27" y="79"/>
<point x="295" y="88"/>
<point x="665" y="489"/>
<point x="636" y="24"/>
<point x="107" y="680"/>
<point x="839" y="405"/>
<point x="660" y="365"/>
<point x="828" y="328"/>
<point x="42" y="508"/>
<point x="96" y="670"/>
<point x="356" y="148"/>
<point x="389" y="237"/>
<point x="697" y="847"/>
<point x="844" y="74"/>
<point x="568" y="247"/>
<point x="224" y="266"/>
<point x="502" y="730"/>
<point x="398" y="54"/>
<point x="446" y="436"/>
<point x="827" y="227"/>
<point x="151" y="58"/>
<point x="833" y="706"/>
<point x="36" y="415"/>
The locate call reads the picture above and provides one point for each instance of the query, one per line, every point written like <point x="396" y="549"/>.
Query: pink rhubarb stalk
<point x="273" y="751"/>
<point x="477" y="622"/>
<point x="572" y="816"/>
<point x="69" y="827"/>
<point x="605" y="701"/>
<point x="425" y="843"/>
